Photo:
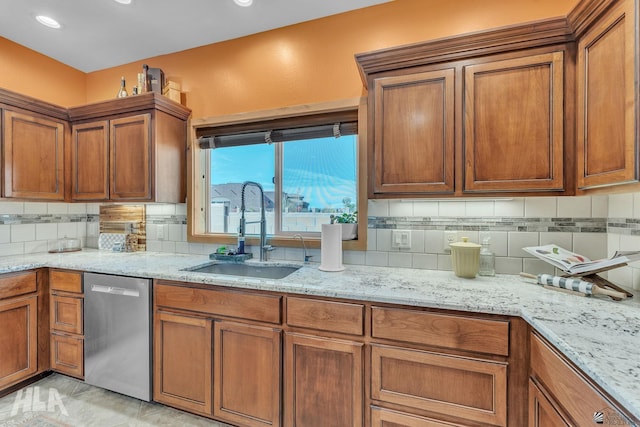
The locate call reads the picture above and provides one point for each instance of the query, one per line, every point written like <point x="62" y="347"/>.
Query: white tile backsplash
<point x="521" y="239"/>
<point x="377" y="208"/>
<point x="46" y="231"/>
<point x="558" y="238"/>
<point x="400" y="208"/>
<point x="23" y="232"/>
<point x="452" y="208"/>
<point x="424" y="261"/>
<point x="574" y="207"/>
<point x="425" y="208"/>
<point x="379" y="259"/>
<point x="621" y="205"/>
<point x="400" y="260"/>
<point x="33" y="208"/>
<point x="480" y="208"/>
<point x="58" y="208"/>
<point x="540" y="207"/>
<point x="510" y="208"/>
<point x="591" y="245"/>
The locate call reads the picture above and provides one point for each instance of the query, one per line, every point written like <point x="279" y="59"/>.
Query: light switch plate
<point x="401" y="239"/>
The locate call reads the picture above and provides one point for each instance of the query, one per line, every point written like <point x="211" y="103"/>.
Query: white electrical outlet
<point x="401" y="239"/>
<point x="450" y="236"/>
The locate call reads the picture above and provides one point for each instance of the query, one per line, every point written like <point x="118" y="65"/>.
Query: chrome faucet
<point x="304" y="248"/>
<point x="264" y="248"/>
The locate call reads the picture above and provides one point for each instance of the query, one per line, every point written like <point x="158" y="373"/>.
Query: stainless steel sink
<point x="248" y="270"/>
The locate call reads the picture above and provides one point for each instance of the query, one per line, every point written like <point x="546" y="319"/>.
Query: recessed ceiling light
<point x="124" y="1"/>
<point x="243" y="3"/>
<point x="48" y="21"/>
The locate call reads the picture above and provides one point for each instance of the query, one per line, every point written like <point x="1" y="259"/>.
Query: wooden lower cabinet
<point x="323" y="382"/>
<point x="67" y="354"/>
<point x="387" y="418"/>
<point x="183" y="362"/>
<point x="18" y="339"/>
<point x="247" y="374"/>
<point x="542" y="413"/>
<point x="467" y="388"/>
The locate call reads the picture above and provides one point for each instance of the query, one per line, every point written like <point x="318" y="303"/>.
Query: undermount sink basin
<point x="248" y="270"/>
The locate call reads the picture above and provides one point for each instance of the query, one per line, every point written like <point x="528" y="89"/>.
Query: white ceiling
<point x="98" y="34"/>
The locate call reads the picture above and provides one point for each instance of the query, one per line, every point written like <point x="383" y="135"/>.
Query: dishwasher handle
<point x="113" y="290"/>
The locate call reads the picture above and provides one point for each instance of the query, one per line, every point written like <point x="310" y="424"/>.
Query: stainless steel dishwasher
<point x="117" y="345"/>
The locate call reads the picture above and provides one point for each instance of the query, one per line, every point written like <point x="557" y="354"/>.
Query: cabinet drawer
<point x="263" y="308"/>
<point x="67" y="354"/>
<point x="441" y="330"/>
<point x="470" y="389"/>
<point x="14" y="284"/>
<point x="326" y="315"/>
<point x="66" y="314"/>
<point x="69" y="281"/>
<point x="385" y="418"/>
<point x="567" y="386"/>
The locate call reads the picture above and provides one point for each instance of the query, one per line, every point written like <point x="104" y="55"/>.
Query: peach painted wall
<point x="30" y="73"/>
<point x="314" y="61"/>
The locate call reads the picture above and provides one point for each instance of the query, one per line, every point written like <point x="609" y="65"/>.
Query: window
<point x="306" y="165"/>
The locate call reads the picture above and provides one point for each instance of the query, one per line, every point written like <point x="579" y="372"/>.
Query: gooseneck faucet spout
<point x="263" y="220"/>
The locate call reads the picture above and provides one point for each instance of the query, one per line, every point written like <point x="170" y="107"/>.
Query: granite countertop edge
<point x="600" y="336"/>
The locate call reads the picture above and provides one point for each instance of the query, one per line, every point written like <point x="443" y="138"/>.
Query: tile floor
<point x="61" y="401"/>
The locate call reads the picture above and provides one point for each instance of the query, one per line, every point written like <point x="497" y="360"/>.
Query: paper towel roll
<point x="331" y="248"/>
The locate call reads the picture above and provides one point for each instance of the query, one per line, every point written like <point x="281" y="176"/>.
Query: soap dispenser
<point x="487" y="258"/>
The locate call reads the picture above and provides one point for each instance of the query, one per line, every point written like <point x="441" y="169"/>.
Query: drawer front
<point x="262" y="308"/>
<point x="66" y="314"/>
<point x="67" y="355"/>
<point x="326" y="315"/>
<point x="441" y="330"/>
<point x="13" y="284"/>
<point x="385" y="418"/>
<point x="466" y="388"/>
<point x="568" y="387"/>
<point x="68" y="281"/>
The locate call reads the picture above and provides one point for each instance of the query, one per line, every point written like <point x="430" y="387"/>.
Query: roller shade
<point x="279" y="135"/>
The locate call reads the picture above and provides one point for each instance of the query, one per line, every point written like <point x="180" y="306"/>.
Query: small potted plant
<point x="349" y="222"/>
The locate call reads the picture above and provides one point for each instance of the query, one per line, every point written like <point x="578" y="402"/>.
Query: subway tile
<point x="591" y="245"/>
<point x="181" y="208"/>
<point x="67" y="229"/>
<point x="372" y="237"/>
<point x="621" y="205"/>
<point x="154" y="246"/>
<point x="537" y="266"/>
<point x="540" y="207"/>
<point x="77" y="208"/>
<point x="613" y="243"/>
<point x="636" y="205"/>
<point x="378" y="208"/>
<point x="182" y="247"/>
<point x="425" y="208"/>
<point x="196" y="249"/>
<point x="46" y="231"/>
<point x="480" y="208"/>
<point x="379" y="259"/>
<point x="383" y="241"/>
<point x="635" y="279"/>
<point x="574" y="207"/>
<point x="5" y="233"/>
<point x="23" y="232"/>
<point x="508" y="265"/>
<point x="424" y="261"/>
<point x="93" y="208"/>
<point x="12" y="208"/>
<point x="167" y="246"/>
<point x="433" y="241"/>
<point x="353" y="257"/>
<point x="160" y="209"/>
<point x="600" y="206"/>
<point x="519" y="240"/>
<point x="444" y="262"/>
<point x="7" y="249"/>
<point x="417" y="242"/>
<point x="34" y="208"/>
<point x="622" y="276"/>
<point x="93" y="229"/>
<point x="177" y="233"/>
<point x="58" y="208"/>
<point x="564" y="240"/>
<point x="510" y="208"/>
<point x="400" y="208"/>
<point x="499" y="242"/>
<point x="451" y="208"/>
<point x="36" y="246"/>
<point x="400" y="260"/>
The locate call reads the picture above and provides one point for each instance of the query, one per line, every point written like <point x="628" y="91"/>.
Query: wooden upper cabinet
<point x="130" y="158"/>
<point x="514" y="124"/>
<point x="413" y="144"/>
<point x="33" y="156"/>
<point x="130" y="149"/>
<point x="90" y="161"/>
<point x="607" y="144"/>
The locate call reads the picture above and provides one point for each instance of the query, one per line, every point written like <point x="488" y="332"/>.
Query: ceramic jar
<point x="465" y="257"/>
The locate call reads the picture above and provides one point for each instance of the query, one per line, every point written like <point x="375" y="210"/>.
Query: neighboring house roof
<point x="231" y="192"/>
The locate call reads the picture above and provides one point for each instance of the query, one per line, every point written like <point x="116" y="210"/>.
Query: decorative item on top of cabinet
<point x="130" y="149"/>
<point x="607" y="104"/>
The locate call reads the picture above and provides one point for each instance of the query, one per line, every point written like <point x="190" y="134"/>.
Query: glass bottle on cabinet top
<point x="123" y="88"/>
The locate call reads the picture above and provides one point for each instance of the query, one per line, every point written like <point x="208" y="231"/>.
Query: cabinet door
<point x="182" y="362"/>
<point x="413" y="142"/>
<point x="67" y="354"/>
<point x="130" y="158"/>
<point x="541" y="412"/>
<point x="33" y="155"/>
<point x="247" y="362"/>
<point x="18" y="339"/>
<point x="324" y="382"/>
<point x="514" y="125"/>
<point x="90" y="161"/>
<point x="66" y="314"/>
<point x="385" y="418"/>
<point x="606" y="100"/>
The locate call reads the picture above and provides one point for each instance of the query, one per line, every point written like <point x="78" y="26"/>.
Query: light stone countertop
<point x="599" y="335"/>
